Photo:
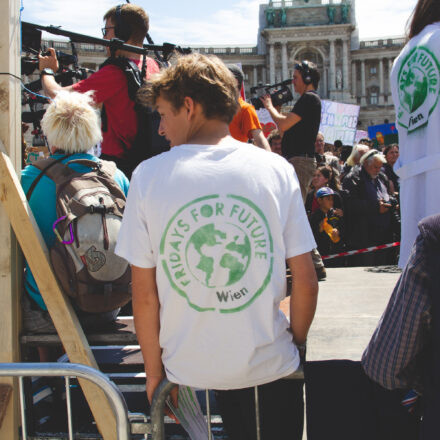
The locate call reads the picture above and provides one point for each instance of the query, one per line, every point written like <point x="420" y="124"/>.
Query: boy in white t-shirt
<point x="208" y="227"/>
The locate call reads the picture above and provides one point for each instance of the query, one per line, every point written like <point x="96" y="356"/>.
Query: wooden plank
<point x="5" y="395"/>
<point x="10" y="135"/>
<point x="60" y="309"/>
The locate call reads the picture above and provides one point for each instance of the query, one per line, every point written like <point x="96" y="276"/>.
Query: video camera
<point x="279" y="96"/>
<point x="68" y="70"/>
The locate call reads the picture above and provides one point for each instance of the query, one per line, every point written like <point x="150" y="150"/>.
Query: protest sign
<point x="383" y="134"/>
<point x="266" y="121"/>
<point x="339" y="121"/>
<point x="360" y="134"/>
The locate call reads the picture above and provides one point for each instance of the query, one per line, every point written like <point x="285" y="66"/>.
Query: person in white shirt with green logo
<point x="415" y="86"/>
<point x="208" y="228"/>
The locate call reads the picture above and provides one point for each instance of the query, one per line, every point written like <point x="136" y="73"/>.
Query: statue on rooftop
<point x="270" y="16"/>
<point x="344" y="13"/>
<point x="331" y="14"/>
<point x="283" y="17"/>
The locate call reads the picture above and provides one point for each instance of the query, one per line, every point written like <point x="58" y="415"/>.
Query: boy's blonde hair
<point x="71" y="124"/>
<point x="204" y="79"/>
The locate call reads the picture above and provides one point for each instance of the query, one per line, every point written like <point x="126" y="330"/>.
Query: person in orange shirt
<point x="245" y="124"/>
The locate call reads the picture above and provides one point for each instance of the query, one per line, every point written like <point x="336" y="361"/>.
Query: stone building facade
<point x="322" y="31"/>
<point x="325" y="32"/>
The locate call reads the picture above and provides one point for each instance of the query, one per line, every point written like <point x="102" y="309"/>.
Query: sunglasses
<point x="104" y="30"/>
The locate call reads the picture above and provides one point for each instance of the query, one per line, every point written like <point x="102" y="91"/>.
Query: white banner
<point x="339" y="121"/>
<point x="266" y="121"/>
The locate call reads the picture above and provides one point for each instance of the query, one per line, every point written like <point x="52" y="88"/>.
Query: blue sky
<point x="229" y="22"/>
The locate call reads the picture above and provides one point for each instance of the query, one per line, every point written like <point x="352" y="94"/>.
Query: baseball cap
<point x="325" y="191"/>
<point x="237" y="72"/>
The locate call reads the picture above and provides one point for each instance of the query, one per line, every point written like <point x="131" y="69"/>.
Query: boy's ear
<point x="189" y="105"/>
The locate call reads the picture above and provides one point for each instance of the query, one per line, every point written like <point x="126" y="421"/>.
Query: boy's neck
<point x="208" y="132"/>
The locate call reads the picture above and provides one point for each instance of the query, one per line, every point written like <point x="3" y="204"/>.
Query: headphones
<point x="304" y="69"/>
<point x="122" y="30"/>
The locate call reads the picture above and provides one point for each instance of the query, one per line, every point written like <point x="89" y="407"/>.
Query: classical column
<point x="381" y="83"/>
<point x="285" y="70"/>
<point x="255" y="78"/>
<point x="325" y="83"/>
<point x="353" y="79"/>
<point x="390" y="67"/>
<point x="272" y="63"/>
<point x="264" y="76"/>
<point x="345" y="65"/>
<point x="332" y="66"/>
<point x="363" y="90"/>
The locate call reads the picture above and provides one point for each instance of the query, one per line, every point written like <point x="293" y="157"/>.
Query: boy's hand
<point x="152" y="383"/>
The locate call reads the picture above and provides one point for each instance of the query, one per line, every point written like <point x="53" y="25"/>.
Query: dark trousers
<point x="344" y="404"/>
<point x="281" y="408"/>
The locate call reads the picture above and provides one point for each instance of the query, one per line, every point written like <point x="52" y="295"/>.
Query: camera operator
<point x="130" y="24"/>
<point x="245" y="124"/>
<point x="300" y="129"/>
<point x="301" y="125"/>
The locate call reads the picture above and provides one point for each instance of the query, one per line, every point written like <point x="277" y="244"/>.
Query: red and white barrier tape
<point x="361" y="251"/>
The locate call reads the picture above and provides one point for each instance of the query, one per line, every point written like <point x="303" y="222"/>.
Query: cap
<point x="325" y="191"/>
<point x="237" y="72"/>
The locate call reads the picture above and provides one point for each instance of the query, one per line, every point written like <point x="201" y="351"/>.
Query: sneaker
<point x="321" y="273"/>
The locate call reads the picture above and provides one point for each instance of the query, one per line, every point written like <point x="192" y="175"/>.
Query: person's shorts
<point x="36" y="320"/>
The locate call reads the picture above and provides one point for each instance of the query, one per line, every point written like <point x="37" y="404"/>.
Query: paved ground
<point x="350" y="304"/>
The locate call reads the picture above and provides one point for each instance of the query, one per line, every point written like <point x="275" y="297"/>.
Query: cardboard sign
<point x="360" y="134"/>
<point x="339" y="121"/>
<point x="266" y="121"/>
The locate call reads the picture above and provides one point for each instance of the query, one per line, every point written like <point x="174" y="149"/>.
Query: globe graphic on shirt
<point x="218" y="256"/>
<point x="415" y="89"/>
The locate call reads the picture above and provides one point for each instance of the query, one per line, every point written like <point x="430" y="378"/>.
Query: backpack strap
<point x="131" y="71"/>
<point x="134" y="80"/>
<point x="43" y="165"/>
<point x="104" y="166"/>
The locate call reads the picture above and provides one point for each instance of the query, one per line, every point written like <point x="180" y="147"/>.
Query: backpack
<point x="148" y="142"/>
<point x="89" y="207"/>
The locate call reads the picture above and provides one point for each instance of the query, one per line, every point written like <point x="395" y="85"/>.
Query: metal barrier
<point x="139" y="421"/>
<point x="164" y="389"/>
<point x="113" y="394"/>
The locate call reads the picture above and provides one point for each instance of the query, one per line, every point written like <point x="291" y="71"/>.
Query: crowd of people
<point x="361" y="200"/>
<point x="210" y="225"/>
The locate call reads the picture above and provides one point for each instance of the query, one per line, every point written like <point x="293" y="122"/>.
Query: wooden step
<point x="120" y="332"/>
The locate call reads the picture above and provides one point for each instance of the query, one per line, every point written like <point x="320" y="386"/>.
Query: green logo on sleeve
<point x="419" y="88"/>
<point x="217" y="252"/>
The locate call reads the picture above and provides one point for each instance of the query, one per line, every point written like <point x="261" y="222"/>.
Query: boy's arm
<point x="304" y="296"/>
<point x="146" y="320"/>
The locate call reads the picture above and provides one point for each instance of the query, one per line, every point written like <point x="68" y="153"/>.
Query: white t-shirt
<point x="218" y="222"/>
<point x="415" y="81"/>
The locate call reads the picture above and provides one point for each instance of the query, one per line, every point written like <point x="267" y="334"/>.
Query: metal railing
<point x="139" y="424"/>
<point x="164" y="389"/>
<point x="113" y="394"/>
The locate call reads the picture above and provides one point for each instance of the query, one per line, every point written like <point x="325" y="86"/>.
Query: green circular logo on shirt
<point x="209" y="248"/>
<point x="419" y="88"/>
